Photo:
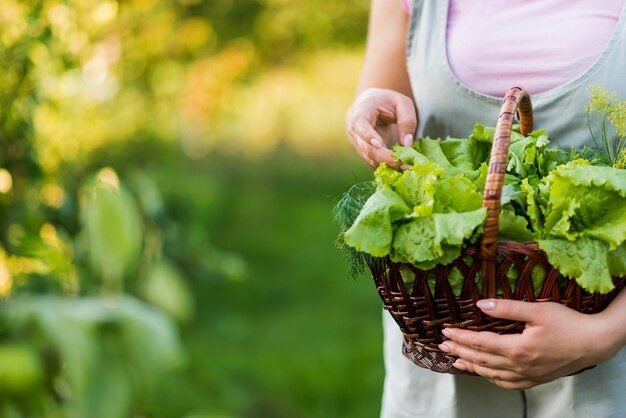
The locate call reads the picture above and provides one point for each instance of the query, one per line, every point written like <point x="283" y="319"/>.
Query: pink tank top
<point x="541" y="44"/>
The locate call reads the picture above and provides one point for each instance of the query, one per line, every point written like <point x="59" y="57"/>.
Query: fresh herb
<point x="345" y="212"/>
<point x="606" y="110"/>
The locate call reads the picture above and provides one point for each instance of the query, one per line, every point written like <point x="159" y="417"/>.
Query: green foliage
<point x="112" y="351"/>
<point x="109" y="206"/>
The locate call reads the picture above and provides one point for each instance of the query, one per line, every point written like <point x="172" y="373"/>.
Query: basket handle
<point x="516" y="99"/>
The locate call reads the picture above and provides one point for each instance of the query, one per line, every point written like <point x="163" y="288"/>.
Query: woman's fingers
<point x="406" y="119"/>
<point x="369" y="119"/>
<point x="479" y="358"/>
<point x="372" y="155"/>
<point x="495" y="375"/>
<point x="485" y="341"/>
<point x="362" y="128"/>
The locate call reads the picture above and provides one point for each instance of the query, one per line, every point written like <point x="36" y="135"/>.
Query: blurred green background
<point x="168" y="170"/>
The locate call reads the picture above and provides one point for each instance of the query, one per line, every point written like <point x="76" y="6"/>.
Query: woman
<point x="450" y="62"/>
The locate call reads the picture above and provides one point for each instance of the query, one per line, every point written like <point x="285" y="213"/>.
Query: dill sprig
<point x="346" y="210"/>
<point x="612" y="114"/>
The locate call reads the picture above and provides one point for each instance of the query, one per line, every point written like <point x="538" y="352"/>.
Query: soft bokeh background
<point x="168" y="170"/>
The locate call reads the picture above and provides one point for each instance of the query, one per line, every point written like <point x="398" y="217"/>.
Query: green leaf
<point x="417" y="187"/>
<point x="424" y="239"/>
<point x="532" y="208"/>
<point x="167" y="289"/>
<point x="456" y="194"/>
<point x="431" y="148"/>
<point x="481" y="133"/>
<point x="113" y="228"/>
<point x="372" y="230"/>
<point x="466" y="154"/>
<point x="481" y="179"/>
<point x="512" y="227"/>
<point x="587" y="201"/>
<point x="408" y="155"/>
<point x="617" y="261"/>
<point x="386" y="175"/>
<point x="450" y="253"/>
<point x="585" y="260"/>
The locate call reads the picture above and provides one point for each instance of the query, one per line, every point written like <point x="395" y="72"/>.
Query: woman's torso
<point x="448" y="106"/>
<point x="489" y="64"/>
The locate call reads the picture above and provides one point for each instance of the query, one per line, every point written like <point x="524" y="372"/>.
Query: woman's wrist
<point x="609" y="336"/>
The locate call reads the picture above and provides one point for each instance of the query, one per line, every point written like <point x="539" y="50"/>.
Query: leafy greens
<point x="573" y="207"/>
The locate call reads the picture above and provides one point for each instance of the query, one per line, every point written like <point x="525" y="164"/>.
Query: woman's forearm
<point x="383" y="113"/>
<point x="613" y="322"/>
<point x="385" y="54"/>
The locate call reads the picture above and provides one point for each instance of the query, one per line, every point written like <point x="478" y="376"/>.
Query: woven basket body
<point x="422" y="311"/>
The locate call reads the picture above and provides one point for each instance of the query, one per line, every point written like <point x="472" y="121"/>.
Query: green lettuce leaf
<point x="617" y="261"/>
<point x="372" y="230"/>
<point x="431" y="148"/>
<point x="408" y="155"/>
<point x="466" y="154"/>
<point x="585" y="260"/>
<point x="450" y="253"/>
<point x="479" y="182"/>
<point x="532" y="208"/>
<point x="512" y="227"/>
<point x="417" y="187"/>
<point x="424" y="239"/>
<point x="587" y="201"/>
<point x="386" y="176"/>
<point x="456" y="194"/>
<point x="482" y="133"/>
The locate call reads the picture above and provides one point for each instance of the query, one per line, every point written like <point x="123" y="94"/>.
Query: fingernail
<point x="459" y="365"/>
<point x="445" y="332"/>
<point x="376" y="143"/>
<point x="486" y="304"/>
<point x="445" y="347"/>
<point x="405" y="167"/>
<point x="408" y="140"/>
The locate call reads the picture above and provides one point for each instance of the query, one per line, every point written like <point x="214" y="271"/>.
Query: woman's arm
<point x="384" y="66"/>
<point x="556" y="342"/>
<point x="383" y="110"/>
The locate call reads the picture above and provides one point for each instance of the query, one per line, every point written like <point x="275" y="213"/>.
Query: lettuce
<point x="417" y="187"/>
<point x="513" y="227"/>
<point x="372" y="231"/>
<point x="433" y="237"/>
<point x="585" y="224"/>
<point x="586" y="260"/>
<point x="574" y="208"/>
<point x="587" y="201"/>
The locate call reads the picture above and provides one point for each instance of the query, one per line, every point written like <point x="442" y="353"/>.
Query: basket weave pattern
<point x="421" y="314"/>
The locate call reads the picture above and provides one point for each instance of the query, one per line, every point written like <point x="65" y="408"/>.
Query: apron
<point x="447" y="107"/>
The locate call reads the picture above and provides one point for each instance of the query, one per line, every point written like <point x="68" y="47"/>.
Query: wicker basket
<point x="422" y="315"/>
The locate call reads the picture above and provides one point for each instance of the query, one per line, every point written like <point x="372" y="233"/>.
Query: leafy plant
<point x="425" y="215"/>
<point x="345" y="213"/>
<point x="611" y="112"/>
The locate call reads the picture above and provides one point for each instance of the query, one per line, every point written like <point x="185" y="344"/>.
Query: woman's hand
<point x="378" y="119"/>
<point x="557" y="341"/>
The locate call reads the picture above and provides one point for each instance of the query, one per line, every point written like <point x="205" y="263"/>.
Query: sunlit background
<point x="168" y="170"/>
